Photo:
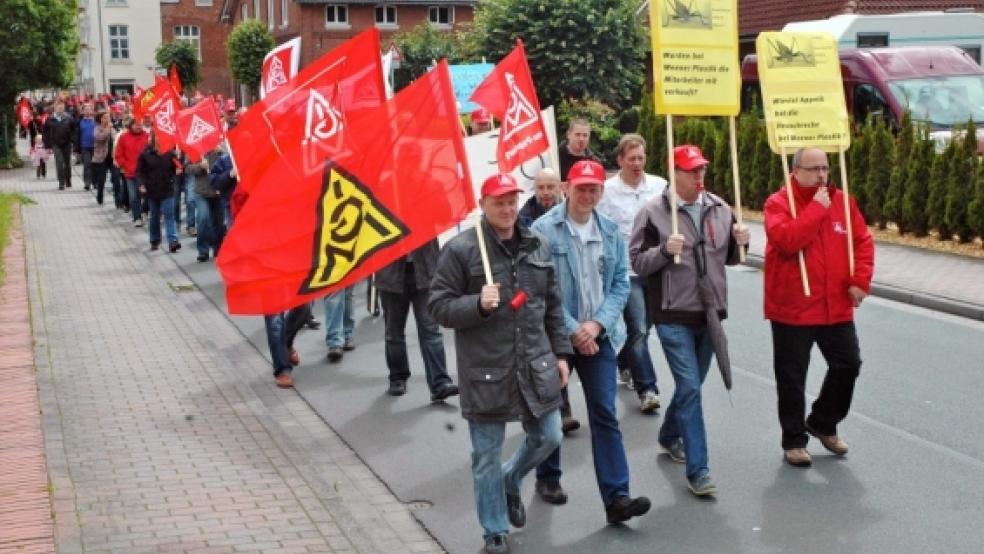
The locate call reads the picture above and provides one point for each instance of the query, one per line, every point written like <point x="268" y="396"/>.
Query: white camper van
<point x="964" y="29"/>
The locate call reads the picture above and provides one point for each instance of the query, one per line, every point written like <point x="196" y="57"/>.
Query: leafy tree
<point x="604" y="126"/>
<point x="652" y="127"/>
<point x="38" y="44"/>
<point x="881" y="156"/>
<point x="915" y="211"/>
<point x="939" y="176"/>
<point x="422" y="46"/>
<point x="247" y="45"/>
<point x="892" y="210"/>
<point x="960" y="185"/>
<point x="182" y="55"/>
<point x="576" y="48"/>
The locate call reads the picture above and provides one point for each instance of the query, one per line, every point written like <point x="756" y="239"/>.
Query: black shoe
<point x="155" y="245"/>
<point x="447" y="390"/>
<point x="397" y="388"/>
<point x="551" y="493"/>
<point x="569" y="424"/>
<point x="624" y="508"/>
<point x="517" y="513"/>
<point x="349" y="345"/>
<point x="334" y="354"/>
<point x="174" y="247"/>
<point x="202" y="257"/>
<point x="313" y="323"/>
<point x="87" y="187"/>
<point x="61" y="187"/>
<point x="497" y="544"/>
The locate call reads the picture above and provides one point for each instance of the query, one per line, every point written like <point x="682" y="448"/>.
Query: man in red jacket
<point x="826" y="316"/>
<point x="131" y="143"/>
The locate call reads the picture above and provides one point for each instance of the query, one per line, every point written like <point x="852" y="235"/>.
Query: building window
<point x="245" y="11"/>
<point x="385" y="15"/>
<point x="203" y="3"/>
<point x="256" y="9"/>
<point x="441" y="15"/>
<point x="270" y="14"/>
<point x="872" y="40"/>
<point x="190" y="33"/>
<point x="336" y="15"/>
<point x="284" y="12"/>
<point x="119" y="42"/>
<point x="115" y="2"/>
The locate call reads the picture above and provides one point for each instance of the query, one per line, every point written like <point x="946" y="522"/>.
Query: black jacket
<point x="58" y="133"/>
<point x="424" y="259"/>
<point x="156" y="173"/>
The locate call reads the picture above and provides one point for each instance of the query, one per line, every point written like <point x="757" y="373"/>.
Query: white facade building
<point x="118" y="40"/>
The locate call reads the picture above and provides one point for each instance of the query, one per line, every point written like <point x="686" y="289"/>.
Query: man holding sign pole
<point x="826" y="316"/>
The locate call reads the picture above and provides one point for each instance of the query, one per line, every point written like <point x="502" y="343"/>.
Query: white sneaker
<point x="625" y="378"/>
<point x="648" y="402"/>
<point x="138" y="223"/>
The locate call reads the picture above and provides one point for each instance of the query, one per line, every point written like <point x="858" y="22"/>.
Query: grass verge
<point x="8" y="203"/>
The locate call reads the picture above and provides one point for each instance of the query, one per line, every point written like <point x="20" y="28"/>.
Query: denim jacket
<point x="614" y="279"/>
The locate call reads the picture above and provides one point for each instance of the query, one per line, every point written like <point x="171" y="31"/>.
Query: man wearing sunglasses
<point x="825" y="316"/>
<point x="687" y="300"/>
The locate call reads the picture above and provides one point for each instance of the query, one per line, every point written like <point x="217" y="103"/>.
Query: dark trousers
<point x="86" y="155"/>
<point x="791" y="347"/>
<point x="63" y="164"/>
<point x="99" y="170"/>
<point x="281" y="329"/>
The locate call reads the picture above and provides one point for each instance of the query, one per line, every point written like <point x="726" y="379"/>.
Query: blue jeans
<point x="281" y="329"/>
<point x="120" y="196"/>
<point x="598" y="380"/>
<point x="688" y="352"/>
<point x="133" y="189"/>
<point x="188" y="183"/>
<point x="209" y="222"/>
<point x="348" y="319"/>
<point x="636" y="349"/>
<point x="396" y="307"/>
<point x="493" y="479"/>
<point x="335" y="307"/>
<point x="165" y="207"/>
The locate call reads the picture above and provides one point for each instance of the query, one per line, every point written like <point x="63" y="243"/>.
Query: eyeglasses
<point x="816" y="169"/>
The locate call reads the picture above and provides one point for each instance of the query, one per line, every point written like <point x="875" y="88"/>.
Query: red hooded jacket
<point x="822" y="236"/>
<point x="128" y="151"/>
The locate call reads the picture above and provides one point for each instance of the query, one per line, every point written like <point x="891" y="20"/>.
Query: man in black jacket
<point x="58" y="134"/>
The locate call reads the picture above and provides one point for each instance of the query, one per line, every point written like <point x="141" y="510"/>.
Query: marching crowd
<point x="580" y="274"/>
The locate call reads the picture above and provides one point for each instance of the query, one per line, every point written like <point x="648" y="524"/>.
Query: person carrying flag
<point x="512" y="348"/>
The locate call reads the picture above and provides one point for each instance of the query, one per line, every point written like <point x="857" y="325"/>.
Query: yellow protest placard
<point x="802" y="91"/>
<point x="695" y="56"/>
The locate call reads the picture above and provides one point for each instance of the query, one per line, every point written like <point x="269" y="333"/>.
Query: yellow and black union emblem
<point x="352" y="226"/>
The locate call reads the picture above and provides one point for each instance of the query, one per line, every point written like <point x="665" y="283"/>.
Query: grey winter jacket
<point x="424" y="260"/>
<point x="672" y="295"/>
<point x="507" y="360"/>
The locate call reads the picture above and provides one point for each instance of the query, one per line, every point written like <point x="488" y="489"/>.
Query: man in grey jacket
<point x="511" y="347"/>
<point x="687" y="300"/>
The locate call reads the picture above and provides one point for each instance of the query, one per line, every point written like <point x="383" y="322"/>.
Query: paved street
<point x="164" y="432"/>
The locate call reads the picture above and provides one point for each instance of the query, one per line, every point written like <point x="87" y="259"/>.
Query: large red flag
<point x="199" y="129"/>
<point x="175" y="79"/>
<point x="280" y="66"/>
<point x="402" y="180"/>
<point x="310" y="111"/>
<point x="509" y="94"/>
<point x="24" y="112"/>
<point x="162" y="107"/>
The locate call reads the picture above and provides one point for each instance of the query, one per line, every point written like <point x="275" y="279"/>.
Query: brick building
<point x="325" y="24"/>
<point x="199" y="22"/>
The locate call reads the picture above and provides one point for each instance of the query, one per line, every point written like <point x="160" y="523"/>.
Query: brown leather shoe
<point x="293" y="357"/>
<point x="798" y="457"/>
<point x="832" y="443"/>
<point x="284" y="380"/>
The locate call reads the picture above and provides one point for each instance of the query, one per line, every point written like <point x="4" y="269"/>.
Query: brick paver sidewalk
<point x="163" y="430"/>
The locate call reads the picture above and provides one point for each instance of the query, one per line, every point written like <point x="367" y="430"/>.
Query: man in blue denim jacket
<point x="592" y="269"/>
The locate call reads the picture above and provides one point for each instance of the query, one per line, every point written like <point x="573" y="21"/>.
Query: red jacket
<point x="820" y="233"/>
<point x="128" y="151"/>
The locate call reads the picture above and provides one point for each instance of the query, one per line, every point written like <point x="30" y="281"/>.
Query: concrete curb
<point x="908" y="296"/>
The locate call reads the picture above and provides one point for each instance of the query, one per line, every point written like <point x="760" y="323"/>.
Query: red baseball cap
<point x="586" y="172"/>
<point x="688" y="156"/>
<point x="499" y="184"/>
<point x="480" y="115"/>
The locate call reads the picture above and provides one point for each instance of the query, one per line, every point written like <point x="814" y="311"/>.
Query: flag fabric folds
<point x="161" y="104"/>
<point x="509" y="94"/>
<point x="24" y="112"/>
<point x="310" y="111"/>
<point x="400" y="180"/>
<point x="280" y="66"/>
<point x="199" y="129"/>
<point x="175" y="79"/>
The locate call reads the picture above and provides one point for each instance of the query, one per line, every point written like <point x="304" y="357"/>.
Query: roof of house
<point x="755" y="16"/>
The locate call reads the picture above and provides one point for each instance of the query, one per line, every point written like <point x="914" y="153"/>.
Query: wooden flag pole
<point x="483" y="251"/>
<point x="792" y="210"/>
<point x="847" y="212"/>
<point x="736" y="179"/>
<point x="674" y="220"/>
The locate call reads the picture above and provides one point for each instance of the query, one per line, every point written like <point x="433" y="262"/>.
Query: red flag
<point x="509" y="94"/>
<point x="161" y="103"/>
<point x="24" y="112"/>
<point x="310" y="112"/>
<point x="403" y="180"/>
<point x="280" y="66"/>
<point x="175" y="79"/>
<point x="199" y="130"/>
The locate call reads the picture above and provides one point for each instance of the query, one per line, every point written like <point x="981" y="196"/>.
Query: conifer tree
<point x="975" y="210"/>
<point x="915" y="200"/>
<point x="939" y="176"/>
<point x="892" y="209"/>
<point x="857" y="162"/>
<point x="960" y="184"/>
<point x="881" y="157"/>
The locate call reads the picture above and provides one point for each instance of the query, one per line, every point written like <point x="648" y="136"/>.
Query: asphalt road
<point x="913" y="481"/>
